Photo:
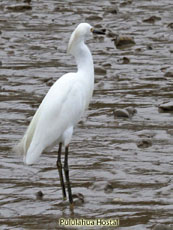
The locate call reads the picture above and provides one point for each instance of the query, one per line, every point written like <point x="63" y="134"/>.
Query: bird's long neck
<point x="84" y="59"/>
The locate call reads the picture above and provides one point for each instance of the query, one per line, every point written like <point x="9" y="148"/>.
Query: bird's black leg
<point x="59" y="166"/>
<point x="66" y="171"/>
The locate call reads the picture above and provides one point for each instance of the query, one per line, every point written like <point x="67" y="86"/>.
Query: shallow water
<point x="104" y="149"/>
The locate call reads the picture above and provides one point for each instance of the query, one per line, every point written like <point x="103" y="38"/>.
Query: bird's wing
<point x="61" y="108"/>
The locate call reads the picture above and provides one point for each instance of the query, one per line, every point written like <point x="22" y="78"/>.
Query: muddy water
<point x="118" y="177"/>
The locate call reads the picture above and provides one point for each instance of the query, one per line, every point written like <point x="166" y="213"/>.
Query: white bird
<point x="62" y="107"/>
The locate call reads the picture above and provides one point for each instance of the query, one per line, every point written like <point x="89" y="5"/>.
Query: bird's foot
<point x="71" y="207"/>
<point x="64" y="198"/>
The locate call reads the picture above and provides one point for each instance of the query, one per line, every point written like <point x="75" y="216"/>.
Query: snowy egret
<point x="62" y="108"/>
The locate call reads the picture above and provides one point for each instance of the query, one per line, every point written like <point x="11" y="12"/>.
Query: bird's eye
<point x="92" y="29"/>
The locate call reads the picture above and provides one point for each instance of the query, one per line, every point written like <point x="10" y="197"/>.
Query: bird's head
<point x="80" y="34"/>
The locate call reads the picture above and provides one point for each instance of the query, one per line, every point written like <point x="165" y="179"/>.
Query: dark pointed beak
<point x="102" y="31"/>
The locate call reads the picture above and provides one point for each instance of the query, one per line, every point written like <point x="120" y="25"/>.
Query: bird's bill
<point x="102" y="31"/>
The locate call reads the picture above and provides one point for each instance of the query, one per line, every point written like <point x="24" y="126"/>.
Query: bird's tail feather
<point x="32" y="156"/>
<point x="22" y="147"/>
<point x="19" y="148"/>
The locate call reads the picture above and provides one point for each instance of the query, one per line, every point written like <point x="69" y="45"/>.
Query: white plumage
<point x="64" y="104"/>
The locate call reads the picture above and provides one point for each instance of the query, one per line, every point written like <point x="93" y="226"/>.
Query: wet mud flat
<point x="121" y="153"/>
